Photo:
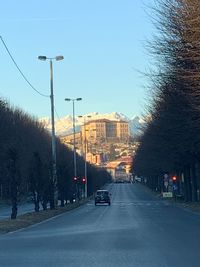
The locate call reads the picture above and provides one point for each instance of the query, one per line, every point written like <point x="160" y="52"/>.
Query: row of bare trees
<point x="25" y="163"/>
<point x="171" y="139"/>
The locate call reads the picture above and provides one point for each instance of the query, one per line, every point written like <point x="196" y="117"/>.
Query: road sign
<point x="166" y="184"/>
<point x="167" y="194"/>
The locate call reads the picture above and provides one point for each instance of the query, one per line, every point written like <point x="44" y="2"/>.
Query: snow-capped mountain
<point x="64" y="126"/>
<point x="136" y="125"/>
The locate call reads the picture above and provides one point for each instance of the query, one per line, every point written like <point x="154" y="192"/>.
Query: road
<point x="137" y="230"/>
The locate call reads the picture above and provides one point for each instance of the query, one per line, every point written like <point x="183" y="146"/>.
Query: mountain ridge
<point x="64" y="125"/>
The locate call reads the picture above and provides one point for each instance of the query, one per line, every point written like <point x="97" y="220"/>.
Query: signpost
<point x="167" y="189"/>
<point x="167" y="194"/>
<point x="166" y="182"/>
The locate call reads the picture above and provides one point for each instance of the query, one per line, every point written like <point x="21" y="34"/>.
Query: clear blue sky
<point x="102" y="42"/>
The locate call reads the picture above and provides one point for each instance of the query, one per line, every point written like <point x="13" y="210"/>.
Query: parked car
<point x="102" y="196"/>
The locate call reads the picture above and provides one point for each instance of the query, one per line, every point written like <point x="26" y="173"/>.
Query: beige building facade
<point x="104" y="130"/>
<point x="96" y="138"/>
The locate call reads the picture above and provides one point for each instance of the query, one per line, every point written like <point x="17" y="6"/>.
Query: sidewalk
<point x="30" y="218"/>
<point x="5" y="209"/>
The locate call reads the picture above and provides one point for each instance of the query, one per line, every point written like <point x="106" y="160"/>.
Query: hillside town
<point x="105" y="143"/>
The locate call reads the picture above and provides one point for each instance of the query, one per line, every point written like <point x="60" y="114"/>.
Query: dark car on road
<point x="102" y="196"/>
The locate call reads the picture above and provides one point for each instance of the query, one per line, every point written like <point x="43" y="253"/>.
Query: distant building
<point x="68" y="140"/>
<point x="120" y="168"/>
<point x="96" y="139"/>
<point x="94" y="158"/>
<point x="103" y="130"/>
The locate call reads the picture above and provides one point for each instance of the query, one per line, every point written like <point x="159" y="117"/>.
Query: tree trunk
<point x="62" y="203"/>
<point x="44" y="205"/>
<point x="187" y="184"/>
<point x="14" y="208"/>
<point x="36" y="201"/>
<point x="193" y="182"/>
<point x="13" y="182"/>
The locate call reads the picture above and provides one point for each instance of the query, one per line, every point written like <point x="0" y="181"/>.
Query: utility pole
<point x="53" y="137"/>
<point x="74" y="139"/>
<point x="85" y="154"/>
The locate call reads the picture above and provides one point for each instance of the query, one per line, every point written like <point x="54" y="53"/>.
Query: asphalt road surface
<point x="136" y="230"/>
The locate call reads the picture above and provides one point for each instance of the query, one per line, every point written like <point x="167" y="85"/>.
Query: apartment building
<point x="96" y="139"/>
<point x="104" y="130"/>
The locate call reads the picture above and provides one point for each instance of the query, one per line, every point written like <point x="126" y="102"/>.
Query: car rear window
<point x="100" y="193"/>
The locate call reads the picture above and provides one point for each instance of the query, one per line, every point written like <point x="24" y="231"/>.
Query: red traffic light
<point x="83" y="180"/>
<point x="75" y="178"/>
<point x="174" y="178"/>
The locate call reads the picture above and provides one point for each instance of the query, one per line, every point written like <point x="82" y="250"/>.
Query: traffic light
<point x="175" y="185"/>
<point x="174" y="178"/>
<point x="83" y="180"/>
<point x="75" y="179"/>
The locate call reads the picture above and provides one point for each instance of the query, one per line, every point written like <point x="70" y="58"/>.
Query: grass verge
<point x="191" y="206"/>
<point x="30" y="218"/>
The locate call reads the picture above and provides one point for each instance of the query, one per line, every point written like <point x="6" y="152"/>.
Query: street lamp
<point x="53" y="139"/>
<point x="74" y="144"/>
<point x="85" y="152"/>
